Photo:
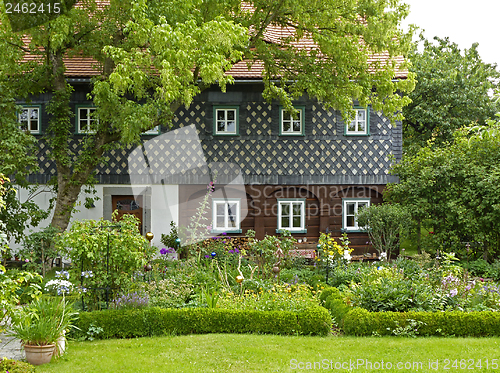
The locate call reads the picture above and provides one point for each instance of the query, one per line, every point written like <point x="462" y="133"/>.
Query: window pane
<point x="350" y="221"/>
<point x="232" y="222"/>
<point x="231" y="209"/>
<point x="350" y="208"/>
<point x="361" y="126"/>
<point x="231" y="114"/>
<point x="297" y="208"/>
<point x="361" y="205"/>
<point x="220" y="209"/>
<point x="34" y="114"/>
<point x="231" y="127"/>
<point x="34" y="125"/>
<point x="287" y="127"/>
<point x="23" y="116"/>
<point x="296" y="222"/>
<point x="221" y="127"/>
<point x="220" y="222"/>
<point x="352" y="126"/>
<point x="221" y="115"/>
<point x="285" y="222"/>
<point x="285" y="209"/>
<point x="83" y="114"/>
<point x="361" y="115"/>
<point x="296" y="126"/>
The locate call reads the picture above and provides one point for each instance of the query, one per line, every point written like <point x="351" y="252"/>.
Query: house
<point x="306" y="173"/>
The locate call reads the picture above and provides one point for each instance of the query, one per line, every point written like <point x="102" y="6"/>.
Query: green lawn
<point x="270" y="353"/>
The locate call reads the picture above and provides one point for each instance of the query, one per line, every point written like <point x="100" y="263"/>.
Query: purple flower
<point x="163" y="251"/>
<point x="231" y="251"/>
<point x="236" y="251"/>
<point x="453" y="292"/>
<point x="224" y="233"/>
<point x="207" y="256"/>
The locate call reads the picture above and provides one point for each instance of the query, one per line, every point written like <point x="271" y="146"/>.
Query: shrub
<point x="327" y="292"/>
<point x="360" y="322"/>
<point x="129" y="323"/>
<point x="14" y="366"/>
<point x="338" y="309"/>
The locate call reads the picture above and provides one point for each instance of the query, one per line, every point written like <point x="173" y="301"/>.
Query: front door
<point x="128" y="205"/>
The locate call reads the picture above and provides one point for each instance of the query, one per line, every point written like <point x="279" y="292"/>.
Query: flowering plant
<point x="59" y="287"/>
<point x="332" y="251"/>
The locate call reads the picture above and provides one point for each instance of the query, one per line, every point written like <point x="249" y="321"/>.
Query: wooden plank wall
<point x="323" y="208"/>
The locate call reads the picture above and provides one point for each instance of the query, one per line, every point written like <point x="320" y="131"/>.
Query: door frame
<point x="145" y="192"/>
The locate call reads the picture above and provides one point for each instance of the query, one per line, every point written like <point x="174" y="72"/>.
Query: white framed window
<point x="153" y="131"/>
<point x="292" y="215"/>
<point x="226" y="120"/>
<point x="292" y="124"/>
<point x="226" y="215"/>
<point x="29" y="119"/>
<point x="86" y="120"/>
<point x="351" y="206"/>
<point x="360" y="125"/>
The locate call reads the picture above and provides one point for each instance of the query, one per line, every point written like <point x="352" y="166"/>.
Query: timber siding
<point x="323" y="208"/>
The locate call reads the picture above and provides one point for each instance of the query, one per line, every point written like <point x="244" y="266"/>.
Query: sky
<point x="464" y="22"/>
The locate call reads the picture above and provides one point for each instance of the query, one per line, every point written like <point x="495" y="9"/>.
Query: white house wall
<point x="163" y="207"/>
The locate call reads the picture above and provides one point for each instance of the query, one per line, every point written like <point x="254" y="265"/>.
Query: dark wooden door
<point x="129" y="205"/>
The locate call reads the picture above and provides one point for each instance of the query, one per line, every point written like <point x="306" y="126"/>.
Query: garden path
<point x="10" y="348"/>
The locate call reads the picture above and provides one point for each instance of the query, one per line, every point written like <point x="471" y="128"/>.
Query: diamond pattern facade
<point x="190" y="153"/>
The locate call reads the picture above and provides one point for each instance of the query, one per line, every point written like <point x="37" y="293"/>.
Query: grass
<point x="227" y="353"/>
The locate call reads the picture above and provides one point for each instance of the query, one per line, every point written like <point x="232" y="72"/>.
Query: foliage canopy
<point x="154" y="56"/>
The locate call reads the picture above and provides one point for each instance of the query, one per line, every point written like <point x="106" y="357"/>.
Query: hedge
<point x="127" y="323"/>
<point x="361" y="322"/>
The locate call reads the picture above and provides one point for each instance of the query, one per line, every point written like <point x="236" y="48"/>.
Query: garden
<point x="233" y="291"/>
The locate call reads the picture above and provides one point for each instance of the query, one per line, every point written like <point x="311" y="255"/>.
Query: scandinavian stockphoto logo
<point x="26" y="14"/>
<point x="178" y="158"/>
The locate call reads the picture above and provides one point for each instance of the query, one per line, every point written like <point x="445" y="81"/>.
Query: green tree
<point x="454" y="191"/>
<point x="385" y="224"/>
<point x="155" y="56"/>
<point x="453" y="90"/>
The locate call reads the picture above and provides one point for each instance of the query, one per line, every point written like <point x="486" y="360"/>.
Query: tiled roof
<point x="79" y="66"/>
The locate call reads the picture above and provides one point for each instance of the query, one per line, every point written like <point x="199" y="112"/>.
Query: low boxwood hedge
<point x="127" y="323"/>
<point x="361" y="322"/>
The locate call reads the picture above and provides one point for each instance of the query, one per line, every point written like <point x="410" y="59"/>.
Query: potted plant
<point x="39" y="325"/>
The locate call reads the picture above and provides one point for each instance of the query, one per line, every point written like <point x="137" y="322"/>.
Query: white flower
<point x="383" y="255"/>
<point x="347" y="255"/>
<point x="60" y="286"/>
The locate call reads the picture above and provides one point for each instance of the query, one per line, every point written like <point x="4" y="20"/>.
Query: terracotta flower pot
<point x="38" y="355"/>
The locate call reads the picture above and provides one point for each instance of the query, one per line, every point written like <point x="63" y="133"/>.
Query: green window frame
<point x="350" y="207"/>
<point x="29" y="118"/>
<point x="292" y="126"/>
<point x="226" y="215"/>
<point x="85" y="119"/>
<point x="360" y="125"/>
<point x="153" y="131"/>
<point x="226" y="121"/>
<point x="292" y="215"/>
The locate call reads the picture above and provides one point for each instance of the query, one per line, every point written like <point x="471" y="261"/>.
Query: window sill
<point x="292" y="231"/>
<point x="226" y="231"/>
